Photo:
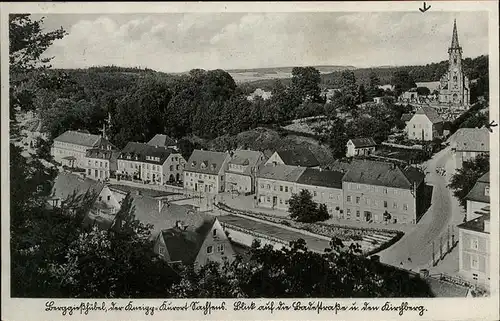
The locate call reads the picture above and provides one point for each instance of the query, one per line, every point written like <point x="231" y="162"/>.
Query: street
<point x="417" y="245"/>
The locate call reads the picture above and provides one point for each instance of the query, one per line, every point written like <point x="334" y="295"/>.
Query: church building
<point x="454" y="85"/>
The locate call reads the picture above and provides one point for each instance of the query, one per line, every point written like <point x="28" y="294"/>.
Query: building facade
<point x="454" y="86"/>
<point x="425" y="124"/>
<point x="294" y="157"/>
<point x="360" y="147"/>
<point x="467" y="143"/>
<point x="381" y="192"/>
<point x="70" y="148"/>
<point x="241" y="171"/>
<point x="100" y="164"/>
<point x="205" y="171"/>
<point x="479" y="197"/>
<point x="150" y="164"/>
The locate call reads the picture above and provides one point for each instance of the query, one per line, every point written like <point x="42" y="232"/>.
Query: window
<point x="281" y="201"/>
<point x="474" y="243"/>
<point x="281" y="188"/>
<point x="487" y="191"/>
<point x="315" y="194"/>
<point x="348" y="212"/>
<point x="100" y="198"/>
<point x="109" y="197"/>
<point x="177" y="167"/>
<point x="268" y="186"/>
<point x="357" y="199"/>
<point x="349" y="198"/>
<point x="210" y="249"/>
<point x="367" y="201"/>
<point x="405" y="207"/>
<point x="357" y="213"/>
<point x="414" y="127"/>
<point x="220" y="247"/>
<point x="291" y="189"/>
<point x="286" y="189"/>
<point x="274" y="187"/>
<point x="385" y="204"/>
<point x="261" y="185"/>
<point x="474" y="262"/>
<point x="394" y="205"/>
<point x="171" y="167"/>
<point x="214" y="232"/>
<point x="286" y="202"/>
<point x="385" y="190"/>
<point x="268" y="199"/>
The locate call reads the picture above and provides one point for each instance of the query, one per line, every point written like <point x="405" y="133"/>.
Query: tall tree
<point x="305" y="83"/>
<point x="333" y="133"/>
<point x="402" y="81"/>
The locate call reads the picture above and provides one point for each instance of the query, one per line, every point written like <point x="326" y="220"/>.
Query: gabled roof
<point x="280" y="172"/>
<point x="318" y="177"/>
<point x="99" y="153"/>
<point x="206" y="162"/>
<point x="406" y="117"/>
<point x="66" y="184"/>
<point x="162" y="141"/>
<point x="363" y="142"/>
<point x="298" y="157"/>
<point x="471" y="139"/>
<point x="248" y="158"/>
<point x="184" y="245"/>
<point x="142" y="150"/>
<point x="78" y="138"/>
<point x="477" y="192"/>
<point x="381" y="174"/>
<point x="431" y="114"/>
<point x="476" y="224"/>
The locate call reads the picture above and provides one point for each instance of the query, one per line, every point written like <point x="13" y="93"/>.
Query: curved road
<point x="417" y="244"/>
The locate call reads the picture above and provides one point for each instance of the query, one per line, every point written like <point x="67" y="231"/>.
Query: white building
<point x="241" y="171"/>
<point x="425" y="124"/>
<point x="205" y="171"/>
<point x="360" y="147"/>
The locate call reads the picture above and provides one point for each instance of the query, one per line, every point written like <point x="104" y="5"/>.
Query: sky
<point x="175" y="42"/>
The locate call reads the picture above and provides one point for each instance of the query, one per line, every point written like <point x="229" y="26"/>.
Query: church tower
<point x="454" y="89"/>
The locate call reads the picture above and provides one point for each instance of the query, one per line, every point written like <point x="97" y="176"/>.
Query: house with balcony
<point x="150" y="164"/>
<point x="70" y="148"/>
<point x="360" y="147"/>
<point x="205" y="171"/>
<point x="100" y="164"/>
<point x="275" y="185"/>
<point x="467" y="143"/>
<point x="377" y="191"/>
<point x="478" y="197"/>
<point x="325" y="187"/>
<point x="474" y="249"/>
<point x="425" y="124"/>
<point x="241" y="171"/>
<point x="300" y="156"/>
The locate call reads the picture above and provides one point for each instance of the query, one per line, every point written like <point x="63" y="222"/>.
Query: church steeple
<point x="454" y="39"/>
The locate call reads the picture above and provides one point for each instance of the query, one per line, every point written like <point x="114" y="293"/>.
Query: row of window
<point x="202" y="176"/>
<point x="357" y="200"/>
<point x="373" y="189"/>
<point x="421" y="126"/>
<point x="219" y="248"/>
<point x="278" y="200"/>
<point x="71" y="146"/>
<point x="98" y="163"/>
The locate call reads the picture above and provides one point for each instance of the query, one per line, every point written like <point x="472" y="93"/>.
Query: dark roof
<point x="406" y="117"/>
<point x="476" y="224"/>
<point x="378" y="173"/>
<point x="363" y="142"/>
<point x="184" y="245"/>
<point x="162" y="140"/>
<point x="78" y="138"/>
<point x="280" y="172"/>
<point x="66" y="183"/>
<point x="317" y="177"/>
<point x="99" y="153"/>
<point x="206" y="162"/>
<point x="414" y="175"/>
<point x="477" y="192"/>
<point x="338" y="166"/>
<point x="142" y="191"/>
<point x="142" y="150"/>
<point x="298" y="157"/>
<point x="471" y="139"/>
<point x="431" y="113"/>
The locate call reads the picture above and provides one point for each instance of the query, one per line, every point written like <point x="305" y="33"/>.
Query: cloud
<point x="180" y="42"/>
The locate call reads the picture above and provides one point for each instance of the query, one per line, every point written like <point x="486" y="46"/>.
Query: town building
<point x="474" y="249"/>
<point x="241" y="171"/>
<point x="360" y="147"/>
<point x="101" y="164"/>
<point x="205" y="171"/>
<point x="275" y="185"/>
<point x="479" y="197"/>
<point x="161" y="140"/>
<point x="151" y="164"/>
<point x="426" y="124"/>
<point x="294" y="157"/>
<point x="197" y="240"/>
<point x="454" y="86"/>
<point x="376" y="191"/>
<point x="66" y="185"/>
<point x="325" y="187"/>
<point x="467" y="143"/>
<point x="70" y="148"/>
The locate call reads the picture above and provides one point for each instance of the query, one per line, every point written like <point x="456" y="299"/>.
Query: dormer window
<point x="214" y="166"/>
<point x="193" y="164"/>
<point x="204" y="165"/>
<point x="487" y="191"/>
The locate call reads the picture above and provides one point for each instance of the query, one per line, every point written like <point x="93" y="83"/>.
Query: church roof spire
<point x="454" y="39"/>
